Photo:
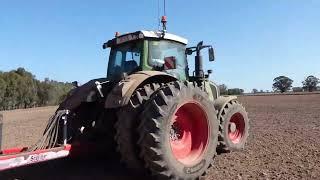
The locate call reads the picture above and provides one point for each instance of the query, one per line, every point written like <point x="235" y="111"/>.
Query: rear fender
<point x="85" y="93"/>
<point x="221" y="102"/>
<point x="121" y="93"/>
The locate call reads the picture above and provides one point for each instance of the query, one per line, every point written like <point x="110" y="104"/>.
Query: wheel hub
<point x="232" y="127"/>
<point x="175" y="132"/>
<point x="189" y="133"/>
<point x="236" y="128"/>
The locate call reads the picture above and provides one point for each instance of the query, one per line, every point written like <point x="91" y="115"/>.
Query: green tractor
<point x="162" y="119"/>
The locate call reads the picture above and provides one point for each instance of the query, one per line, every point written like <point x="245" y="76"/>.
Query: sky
<point x="254" y="40"/>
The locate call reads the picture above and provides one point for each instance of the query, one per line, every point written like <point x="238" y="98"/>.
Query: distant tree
<point x="235" y="91"/>
<point x="58" y="91"/>
<point x="20" y="89"/>
<point x="261" y="91"/>
<point x="43" y="93"/>
<point x="282" y="83"/>
<point x="254" y="91"/>
<point x="27" y="96"/>
<point x="310" y="83"/>
<point x="297" y="89"/>
<point x="22" y="72"/>
<point x="12" y="90"/>
<point x="3" y="87"/>
<point x="223" y="89"/>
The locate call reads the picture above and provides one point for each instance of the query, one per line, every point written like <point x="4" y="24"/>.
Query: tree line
<point x="233" y="91"/>
<point x="283" y="84"/>
<point x="280" y="84"/>
<point x="20" y="89"/>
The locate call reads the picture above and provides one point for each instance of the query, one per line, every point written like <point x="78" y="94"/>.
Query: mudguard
<point x="213" y="90"/>
<point x="221" y="102"/>
<point x="121" y="93"/>
<point x="85" y="93"/>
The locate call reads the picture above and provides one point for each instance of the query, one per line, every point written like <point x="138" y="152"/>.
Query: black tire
<point x="128" y="120"/>
<point x="233" y="109"/>
<point x="156" y="129"/>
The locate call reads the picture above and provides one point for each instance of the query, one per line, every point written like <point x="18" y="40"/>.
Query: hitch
<point x="65" y="127"/>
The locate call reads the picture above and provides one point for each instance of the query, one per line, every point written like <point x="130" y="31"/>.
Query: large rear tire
<point x="128" y="120"/>
<point x="234" y="127"/>
<point x="178" y="132"/>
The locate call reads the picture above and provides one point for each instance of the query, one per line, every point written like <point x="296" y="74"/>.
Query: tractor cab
<point x="145" y="51"/>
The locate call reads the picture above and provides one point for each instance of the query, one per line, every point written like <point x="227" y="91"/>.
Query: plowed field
<point x="284" y="143"/>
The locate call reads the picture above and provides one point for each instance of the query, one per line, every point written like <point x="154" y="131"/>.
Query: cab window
<point x="159" y="50"/>
<point x="125" y="58"/>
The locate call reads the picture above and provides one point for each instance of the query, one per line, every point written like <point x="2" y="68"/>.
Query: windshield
<point x="124" y="58"/>
<point x="159" y="50"/>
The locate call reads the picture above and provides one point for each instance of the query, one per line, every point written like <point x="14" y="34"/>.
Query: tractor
<point x="161" y="118"/>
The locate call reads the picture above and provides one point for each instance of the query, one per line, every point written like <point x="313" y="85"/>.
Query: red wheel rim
<point x="189" y="133"/>
<point x="236" y="128"/>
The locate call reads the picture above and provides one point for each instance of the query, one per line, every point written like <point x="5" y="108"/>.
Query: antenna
<point x="164" y="7"/>
<point x="164" y="19"/>
<point x="158" y="17"/>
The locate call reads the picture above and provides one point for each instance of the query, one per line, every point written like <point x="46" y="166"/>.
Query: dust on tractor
<point x="157" y="116"/>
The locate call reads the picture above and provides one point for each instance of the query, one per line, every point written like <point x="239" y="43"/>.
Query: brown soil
<point x="283" y="144"/>
<point x="23" y="127"/>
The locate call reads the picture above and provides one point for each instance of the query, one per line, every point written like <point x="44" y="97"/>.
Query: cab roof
<point x="142" y="35"/>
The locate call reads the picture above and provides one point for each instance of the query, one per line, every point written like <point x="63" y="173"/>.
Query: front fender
<point x="121" y="93"/>
<point x="221" y="102"/>
<point x="213" y="90"/>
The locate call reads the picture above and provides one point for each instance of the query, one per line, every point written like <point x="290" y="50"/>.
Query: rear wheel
<point x="178" y="132"/>
<point x="128" y="120"/>
<point x="234" y="127"/>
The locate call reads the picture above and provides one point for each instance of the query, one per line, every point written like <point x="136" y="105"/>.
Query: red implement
<point x="12" y="158"/>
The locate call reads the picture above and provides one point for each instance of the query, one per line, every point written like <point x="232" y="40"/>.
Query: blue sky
<point x="255" y="40"/>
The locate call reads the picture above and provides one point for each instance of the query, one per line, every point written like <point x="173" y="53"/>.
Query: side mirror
<point x="189" y="51"/>
<point x="211" y="54"/>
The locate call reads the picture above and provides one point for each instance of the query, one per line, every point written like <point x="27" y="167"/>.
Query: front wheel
<point x="234" y="127"/>
<point x="178" y="132"/>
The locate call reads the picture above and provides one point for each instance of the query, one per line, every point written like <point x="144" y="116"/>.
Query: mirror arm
<point x="206" y="46"/>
